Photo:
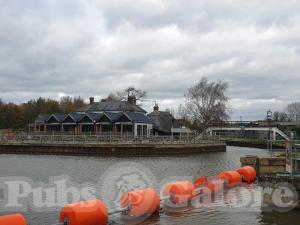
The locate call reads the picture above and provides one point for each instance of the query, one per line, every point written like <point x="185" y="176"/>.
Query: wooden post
<point x="121" y="124"/>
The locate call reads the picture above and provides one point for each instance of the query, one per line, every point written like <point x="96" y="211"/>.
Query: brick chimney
<point x="131" y="100"/>
<point x="92" y="100"/>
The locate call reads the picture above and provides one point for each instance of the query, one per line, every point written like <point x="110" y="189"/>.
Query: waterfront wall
<point x="113" y="149"/>
<point x="253" y="144"/>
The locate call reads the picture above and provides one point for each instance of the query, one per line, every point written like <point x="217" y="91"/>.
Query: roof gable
<point x="86" y="119"/>
<point x="69" y="119"/>
<point x="52" y="119"/>
<point x="124" y="118"/>
<point x="104" y="119"/>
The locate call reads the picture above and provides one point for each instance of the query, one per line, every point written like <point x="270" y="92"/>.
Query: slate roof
<point x="59" y="116"/>
<point x="93" y="116"/>
<point x="163" y="121"/>
<point x="42" y="118"/>
<point x="136" y="117"/>
<point x="112" y="106"/>
<point x="76" y="116"/>
<point x="113" y="116"/>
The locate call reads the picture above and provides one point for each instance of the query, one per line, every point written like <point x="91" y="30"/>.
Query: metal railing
<point x="108" y="138"/>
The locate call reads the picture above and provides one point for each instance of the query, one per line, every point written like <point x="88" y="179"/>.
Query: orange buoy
<point x="232" y="178"/>
<point x="92" y="212"/>
<point x="200" y="181"/>
<point x="214" y="185"/>
<point x="180" y="192"/>
<point x="13" y="219"/>
<point x="248" y="173"/>
<point x="141" y="202"/>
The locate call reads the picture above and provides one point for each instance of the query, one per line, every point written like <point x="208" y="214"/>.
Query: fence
<point x="108" y="138"/>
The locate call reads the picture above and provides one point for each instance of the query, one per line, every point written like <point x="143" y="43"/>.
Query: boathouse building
<point x="104" y="117"/>
<point x="110" y="117"/>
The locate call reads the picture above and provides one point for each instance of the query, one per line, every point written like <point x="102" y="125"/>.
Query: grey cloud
<point x="76" y="47"/>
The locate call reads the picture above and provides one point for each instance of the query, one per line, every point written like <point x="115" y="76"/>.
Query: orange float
<point x="180" y="192"/>
<point x="13" y="219"/>
<point x="200" y="181"/>
<point x="232" y="178"/>
<point x="213" y="186"/>
<point x="140" y="203"/>
<point x="92" y="212"/>
<point x="248" y="173"/>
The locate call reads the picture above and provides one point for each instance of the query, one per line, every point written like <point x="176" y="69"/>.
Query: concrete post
<point x="135" y="130"/>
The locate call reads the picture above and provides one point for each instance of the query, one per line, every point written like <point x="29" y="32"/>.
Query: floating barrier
<point x="248" y="173"/>
<point x="214" y="185"/>
<point x="13" y="219"/>
<point x="233" y="178"/>
<point x="92" y="212"/>
<point x="180" y="192"/>
<point x="140" y="203"/>
<point x="200" y="181"/>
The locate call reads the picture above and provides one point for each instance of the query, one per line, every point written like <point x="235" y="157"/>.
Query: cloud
<point x="95" y="47"/>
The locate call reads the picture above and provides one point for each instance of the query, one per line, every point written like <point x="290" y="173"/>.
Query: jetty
<point x="272" y="171"/>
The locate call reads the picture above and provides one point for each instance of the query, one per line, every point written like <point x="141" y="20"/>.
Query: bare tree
<point x="293" y="111"/>
<point x="182" y="112"/>
<point x="283" y="117"/>
<point x="78" y="102"/>
<point x="113" y="97"/>
<point x="275" y="116"/>
<point x="137" y="94"/>
<point x="207" y="102"/>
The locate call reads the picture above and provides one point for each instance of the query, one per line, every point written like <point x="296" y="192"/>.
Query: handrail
<point x="30" y="138"/>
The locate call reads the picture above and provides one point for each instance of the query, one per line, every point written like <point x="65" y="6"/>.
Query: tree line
<point x="291" y="113"/>
<point x="17" y="116"/>
<point x="205" y="102"/>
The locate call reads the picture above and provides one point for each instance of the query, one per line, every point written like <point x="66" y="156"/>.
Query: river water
<point x="105" y="176"/>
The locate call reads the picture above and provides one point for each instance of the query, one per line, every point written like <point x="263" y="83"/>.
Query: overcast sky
<point x="52" y="48"/>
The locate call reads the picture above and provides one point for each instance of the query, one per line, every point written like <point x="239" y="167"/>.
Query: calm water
<point x="154" y="171"/>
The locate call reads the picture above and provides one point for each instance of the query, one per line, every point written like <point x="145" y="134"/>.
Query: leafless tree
<point x="207" y="102"/>
<point x="275" y="116"/>
<point x="293" y="111"/>
<point x="78" y="102"/>
<point x="182" y="112"/>
<point x="113" y="97"/>
<point x="138" y="94"/>
<point x="283" y="117"/>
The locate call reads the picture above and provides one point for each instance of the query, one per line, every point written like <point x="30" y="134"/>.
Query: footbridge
<point x="274" y="131"/>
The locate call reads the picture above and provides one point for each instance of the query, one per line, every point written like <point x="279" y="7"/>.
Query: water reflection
<point x="91" y="169"/>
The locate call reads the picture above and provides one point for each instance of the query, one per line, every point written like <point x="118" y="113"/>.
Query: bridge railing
<point x="243" y="124"/>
